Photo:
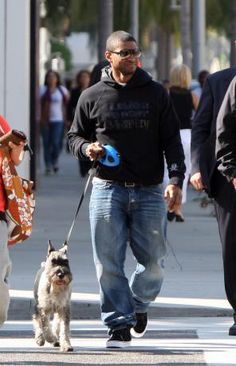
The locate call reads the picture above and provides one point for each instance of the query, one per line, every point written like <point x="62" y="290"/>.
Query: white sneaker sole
<point x="137" y="335"/>
<point x="118" y="344"/>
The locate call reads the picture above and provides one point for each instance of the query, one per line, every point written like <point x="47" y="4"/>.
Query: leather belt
<point x="125" y="184"/>
<point x="129" y="184"/>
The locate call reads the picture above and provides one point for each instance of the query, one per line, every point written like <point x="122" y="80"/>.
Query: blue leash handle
<point x="111" y="157"/>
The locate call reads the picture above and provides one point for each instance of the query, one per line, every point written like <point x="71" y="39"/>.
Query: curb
<point x="22" y="309"/>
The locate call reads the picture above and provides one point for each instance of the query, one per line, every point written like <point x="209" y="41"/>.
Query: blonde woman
<point x="184" y="102"/>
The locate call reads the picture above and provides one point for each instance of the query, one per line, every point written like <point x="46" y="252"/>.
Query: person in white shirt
<point x="54" y="97"/>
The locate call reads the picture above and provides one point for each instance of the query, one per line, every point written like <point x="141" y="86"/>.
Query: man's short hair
<point x="116" y="37"/>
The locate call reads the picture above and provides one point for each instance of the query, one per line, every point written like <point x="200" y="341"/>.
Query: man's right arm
<point x="201" y="130"/>
<point x="226" y="135"/>
<point x="81" y="131"/>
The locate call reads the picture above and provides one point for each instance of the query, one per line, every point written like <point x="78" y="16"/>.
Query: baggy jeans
<point x="5" y="269"/>
<point x="118" y="216"/>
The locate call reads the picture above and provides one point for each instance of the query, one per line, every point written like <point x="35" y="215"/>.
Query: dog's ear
<point x="64" y="249"/>
<point x="50" y="247"/>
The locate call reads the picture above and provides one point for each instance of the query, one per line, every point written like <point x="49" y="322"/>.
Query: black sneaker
<point x="179" y="218"/>
<point x="120" y="338"/>
<point x="141" y="325"/>
<point x="48" y="171"/>
<point x="55" y="169"/>
<point x="170" y="216"/>
<point x="232" y="330"/>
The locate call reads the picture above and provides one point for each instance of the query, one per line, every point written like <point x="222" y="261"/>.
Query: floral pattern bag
<point x="20" y="201"/>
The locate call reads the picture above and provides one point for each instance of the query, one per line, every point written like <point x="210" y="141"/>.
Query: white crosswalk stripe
<point x="169" y="341"/>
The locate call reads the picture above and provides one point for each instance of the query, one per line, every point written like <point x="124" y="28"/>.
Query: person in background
<point x="132" y="113"/>
<point x="16" y="153"/>
<point x="202" y="75"/>
<point x="205" y="175"/>
<point x="82" y="81"/>
<point x="97" y="72"/>
<point x="166" y="84"/>
<point x="184" y="102"/>
<point x="54" y="98"/>
<point x="68" y="82"/>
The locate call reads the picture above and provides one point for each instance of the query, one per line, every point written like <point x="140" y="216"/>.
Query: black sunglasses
<point x="135" y="52"/>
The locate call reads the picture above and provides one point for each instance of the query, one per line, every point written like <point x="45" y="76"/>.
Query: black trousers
<point x="225" y="205"/>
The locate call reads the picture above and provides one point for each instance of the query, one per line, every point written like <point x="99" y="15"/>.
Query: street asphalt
<point x="193" y="285"/>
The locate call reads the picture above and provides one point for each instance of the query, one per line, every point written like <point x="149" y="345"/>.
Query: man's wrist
<point x="176" y="181"/>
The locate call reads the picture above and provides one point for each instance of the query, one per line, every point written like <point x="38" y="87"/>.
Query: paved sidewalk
<point x="193" y="283"/>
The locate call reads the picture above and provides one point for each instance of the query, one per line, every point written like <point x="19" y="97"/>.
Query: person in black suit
<point x="205" y="175"/>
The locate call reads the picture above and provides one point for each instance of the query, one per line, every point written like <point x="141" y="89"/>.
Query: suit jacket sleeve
<point x="226" y="134"/>
<point x="201" y="127"/>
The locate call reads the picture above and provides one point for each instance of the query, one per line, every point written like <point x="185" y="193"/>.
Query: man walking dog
<point x="133" y="114"/>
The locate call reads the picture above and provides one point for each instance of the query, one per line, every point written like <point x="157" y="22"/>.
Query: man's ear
<point x="108" y="56"/>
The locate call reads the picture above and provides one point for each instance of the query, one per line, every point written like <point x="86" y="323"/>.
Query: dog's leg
<point x="38" y="329"/>
<point x="47" y="331"/>
<point x="64" y="316"/>
<point x="56" y="329"/>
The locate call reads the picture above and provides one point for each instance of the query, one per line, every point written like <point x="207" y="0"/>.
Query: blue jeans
<point x="119" y="215"/>
<point x="52" y="142"/>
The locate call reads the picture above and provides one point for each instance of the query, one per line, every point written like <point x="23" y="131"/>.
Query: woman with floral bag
<point x="16" y="154"/>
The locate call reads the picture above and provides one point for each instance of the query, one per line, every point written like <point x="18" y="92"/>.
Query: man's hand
<point x="234" y="182"/>
<point x="196" y="181"/>
<point x="173" y="197"/>
<point x="95" y="151"/>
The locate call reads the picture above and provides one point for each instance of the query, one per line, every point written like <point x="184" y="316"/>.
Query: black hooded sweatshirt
<point x="138" y="120"/>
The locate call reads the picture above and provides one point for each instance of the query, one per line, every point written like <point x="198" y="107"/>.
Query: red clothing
<point x="3" y="200"/>
<point x="4" y="128"/>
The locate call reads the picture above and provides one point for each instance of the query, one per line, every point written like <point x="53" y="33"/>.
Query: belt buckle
<point x="129" y="185"/>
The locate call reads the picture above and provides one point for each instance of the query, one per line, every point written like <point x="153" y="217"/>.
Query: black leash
<point x="90" y="173"/>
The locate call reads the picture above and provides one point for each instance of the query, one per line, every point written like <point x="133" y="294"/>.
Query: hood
<point x="139" y="78"/>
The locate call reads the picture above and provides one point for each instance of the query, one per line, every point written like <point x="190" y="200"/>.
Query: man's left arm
<point x="171" y="143"/>
<point x="174" y="154"/>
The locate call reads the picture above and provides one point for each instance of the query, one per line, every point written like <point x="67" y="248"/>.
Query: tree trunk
<point x="185" y="32"/>
<point x="105" y="25"/>
<point x="134" y="19"/>
<point x="233" y="34"/>
<point x="164" y="54"/>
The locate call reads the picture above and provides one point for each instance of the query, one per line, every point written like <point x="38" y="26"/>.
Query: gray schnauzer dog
<point x="52" y="293"/>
